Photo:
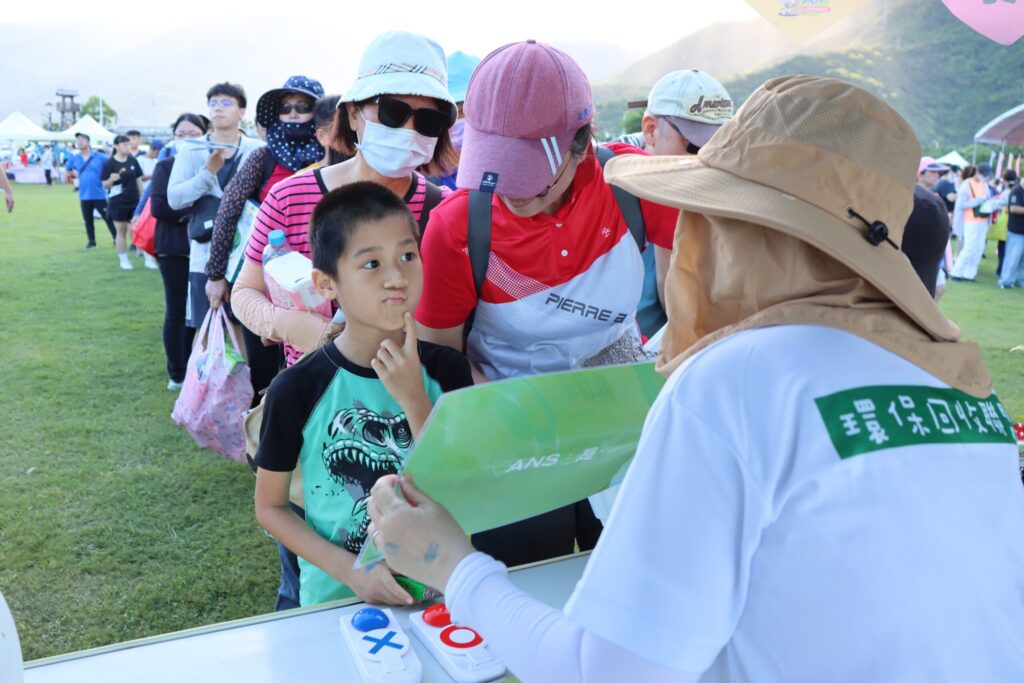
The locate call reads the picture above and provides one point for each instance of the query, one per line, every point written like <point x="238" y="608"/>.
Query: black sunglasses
<point x="426" y="121"/>
<point x="299" y="107"/>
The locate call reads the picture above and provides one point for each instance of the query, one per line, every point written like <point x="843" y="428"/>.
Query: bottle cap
<point x="276" y="238"/>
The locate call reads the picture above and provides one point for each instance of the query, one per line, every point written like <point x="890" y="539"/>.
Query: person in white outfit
<point x="826" y="488"/>
<point x="971" y="222"/>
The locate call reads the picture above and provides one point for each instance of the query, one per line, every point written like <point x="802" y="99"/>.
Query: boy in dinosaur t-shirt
<point x="349" y="411"/>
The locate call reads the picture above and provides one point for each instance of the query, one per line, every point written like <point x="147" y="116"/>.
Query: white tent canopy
<point x="87" y="125"/>
<point x="954" y="158"/>
<point x="1005" y="129"/>
<point x="19" y="128"/>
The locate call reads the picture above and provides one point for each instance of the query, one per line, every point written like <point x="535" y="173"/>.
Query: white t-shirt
<point x="147" y="165"/>
<point x="774" y="528"/>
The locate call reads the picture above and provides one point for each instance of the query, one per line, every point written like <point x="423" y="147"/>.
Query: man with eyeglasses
<point x="202" y="169"/>
<point x="683" y="110"/>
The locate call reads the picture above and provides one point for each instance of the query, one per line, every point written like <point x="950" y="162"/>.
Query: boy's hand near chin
<point x="399" y="369"/>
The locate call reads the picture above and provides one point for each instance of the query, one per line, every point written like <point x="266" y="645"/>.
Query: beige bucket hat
<point x="816" y="158"/>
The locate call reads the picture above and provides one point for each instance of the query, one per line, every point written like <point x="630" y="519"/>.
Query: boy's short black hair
<point x="134" y="132"/>
<point x="343" y="210"/>
<point x="229" y="90"/>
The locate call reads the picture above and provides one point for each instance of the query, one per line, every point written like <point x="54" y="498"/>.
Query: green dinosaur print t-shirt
<point x="337" y="420"/>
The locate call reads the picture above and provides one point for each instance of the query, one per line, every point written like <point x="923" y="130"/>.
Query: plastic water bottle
<point x="295" y="290"/>
<point x="276" y="246"/>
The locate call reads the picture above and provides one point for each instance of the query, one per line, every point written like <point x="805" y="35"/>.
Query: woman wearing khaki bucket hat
<point x="826" y="488"/>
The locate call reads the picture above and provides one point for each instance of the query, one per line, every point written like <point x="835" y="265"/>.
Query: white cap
<point x="401" y="63"/>
<point x="696" y="103"/>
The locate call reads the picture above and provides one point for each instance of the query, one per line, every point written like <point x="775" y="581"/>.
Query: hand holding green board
<point x="500" y="452"/>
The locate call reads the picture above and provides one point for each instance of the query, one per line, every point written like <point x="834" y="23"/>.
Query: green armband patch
<point x="876" y="418"/>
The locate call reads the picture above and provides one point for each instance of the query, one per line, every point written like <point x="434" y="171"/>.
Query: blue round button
<point x="369" y="619"/>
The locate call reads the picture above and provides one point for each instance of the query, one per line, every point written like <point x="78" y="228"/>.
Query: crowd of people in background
<point x="981" y="205"/>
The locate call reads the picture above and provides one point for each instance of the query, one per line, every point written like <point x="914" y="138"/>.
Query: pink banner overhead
<point x="999" y="165"/>
<point x="998" y="20"/>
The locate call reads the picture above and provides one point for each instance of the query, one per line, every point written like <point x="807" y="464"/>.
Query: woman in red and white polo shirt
<point x="564" y="274"/>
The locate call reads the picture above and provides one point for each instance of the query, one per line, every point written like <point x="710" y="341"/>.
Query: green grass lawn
<point x="994" y="318"/>
<point x="113" y="525"/>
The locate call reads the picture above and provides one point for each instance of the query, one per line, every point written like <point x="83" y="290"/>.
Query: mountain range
<point x="938" y="73"/>
<point x="944" y="78"/>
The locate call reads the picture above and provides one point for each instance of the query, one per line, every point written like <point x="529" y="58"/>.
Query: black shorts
<point x="121" y="213"/>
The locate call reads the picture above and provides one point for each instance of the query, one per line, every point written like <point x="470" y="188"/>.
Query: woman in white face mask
<point x="394" y="120"/>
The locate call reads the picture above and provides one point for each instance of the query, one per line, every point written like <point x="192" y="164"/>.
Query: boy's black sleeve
<point x="281" y="429"/>
<point x="446" y="365"/>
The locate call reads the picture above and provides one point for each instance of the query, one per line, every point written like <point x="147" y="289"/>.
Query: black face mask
<point x="299" y="132"/>
<point x="294" y="145"/>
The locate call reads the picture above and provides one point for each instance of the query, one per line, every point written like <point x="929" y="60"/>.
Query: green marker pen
<point x="417" y="590"/>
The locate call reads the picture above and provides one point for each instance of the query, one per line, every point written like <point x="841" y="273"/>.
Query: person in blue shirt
<point x="86" y="165"/>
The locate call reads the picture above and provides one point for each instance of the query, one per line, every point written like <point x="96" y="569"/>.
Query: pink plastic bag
<point x="216" y="390"/>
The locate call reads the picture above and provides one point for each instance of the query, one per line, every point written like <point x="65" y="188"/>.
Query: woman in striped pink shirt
<point x="394" y="119"/>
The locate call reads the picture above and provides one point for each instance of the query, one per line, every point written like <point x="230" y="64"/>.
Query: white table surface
<point x="299" y="646"/>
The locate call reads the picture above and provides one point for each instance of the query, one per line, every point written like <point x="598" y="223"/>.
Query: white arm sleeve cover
<point x="537" y="642"/>
<point x="189" y="180"/>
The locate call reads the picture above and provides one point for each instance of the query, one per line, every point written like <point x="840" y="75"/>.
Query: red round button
<point x="467" y="638"/>
<point x="437" y="616"/>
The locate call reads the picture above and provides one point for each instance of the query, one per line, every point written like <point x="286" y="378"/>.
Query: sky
<point x="152" y="60"/>
<point x="470" y="26"/>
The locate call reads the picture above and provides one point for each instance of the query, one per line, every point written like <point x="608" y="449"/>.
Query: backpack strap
<point x="629" y="204"/>
<point x="87" y="162"/>
<point x="431" y="198"/>
<point x="478" y="236"/>
<point x="478" y="241"/>
<point x="269" y="164"/>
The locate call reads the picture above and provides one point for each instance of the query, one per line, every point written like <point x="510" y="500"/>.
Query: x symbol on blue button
<point x="382" y="642"/>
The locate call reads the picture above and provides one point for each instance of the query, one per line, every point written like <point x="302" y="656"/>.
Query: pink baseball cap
<point x="524" y="104"/>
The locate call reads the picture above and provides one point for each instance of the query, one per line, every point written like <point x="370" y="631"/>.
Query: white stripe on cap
<point x="551" y="159"/>
<point x="558" y="154"/>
